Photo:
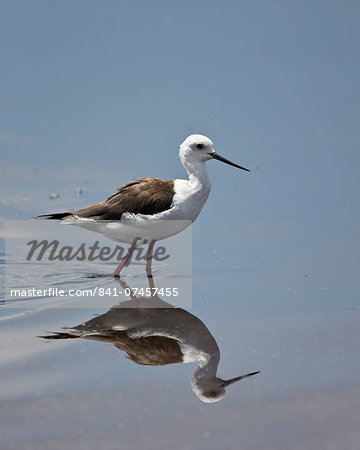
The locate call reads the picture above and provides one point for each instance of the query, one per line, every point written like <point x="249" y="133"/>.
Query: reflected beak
<point x="227" y="383"/>
<point x="226" y="161"/>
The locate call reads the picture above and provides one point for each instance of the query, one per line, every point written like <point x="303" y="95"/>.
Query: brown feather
<point x="143" y="196"/>
<point x="147" y="350"/>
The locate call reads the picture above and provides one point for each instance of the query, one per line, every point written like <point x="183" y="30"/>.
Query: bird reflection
<point x="153" y="332"/>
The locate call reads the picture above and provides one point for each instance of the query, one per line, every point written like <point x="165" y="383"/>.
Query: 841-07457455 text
<point x="96" y="291"/>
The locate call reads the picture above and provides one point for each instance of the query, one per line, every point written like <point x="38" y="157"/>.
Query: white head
<point x="209" y="390"/>
<point x="198" y="148"/>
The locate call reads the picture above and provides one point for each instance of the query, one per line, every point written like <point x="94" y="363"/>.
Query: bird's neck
<point x="198" y="176"/>
<point x="207" y="367"/>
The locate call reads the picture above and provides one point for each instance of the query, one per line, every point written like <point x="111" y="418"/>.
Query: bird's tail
<point x="61" y="335"/>
<point x="56" y="216"/>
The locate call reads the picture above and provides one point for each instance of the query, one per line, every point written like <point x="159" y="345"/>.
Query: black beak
<point x="227" y="383"/>
<point x="220" y="158"/>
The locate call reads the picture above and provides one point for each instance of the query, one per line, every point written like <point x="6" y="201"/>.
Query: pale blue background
<point x="97" y="93"/>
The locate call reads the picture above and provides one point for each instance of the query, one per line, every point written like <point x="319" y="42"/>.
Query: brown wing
<point x="147" y="350"/>
<point x="143" y="196"/>
<point x="151" y="350"/>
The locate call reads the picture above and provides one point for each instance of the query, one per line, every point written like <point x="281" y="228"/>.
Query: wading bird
<point x="150" y="209"/>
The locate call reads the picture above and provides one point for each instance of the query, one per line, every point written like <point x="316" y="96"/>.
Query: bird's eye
<point x="199" y="146"/>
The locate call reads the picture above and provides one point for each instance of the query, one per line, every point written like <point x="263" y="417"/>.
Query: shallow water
<point x="96" y="94"/>
<point x="279" y="310"/>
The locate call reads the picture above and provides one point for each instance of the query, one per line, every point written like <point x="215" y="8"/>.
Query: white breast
<point x="189" y="199"/>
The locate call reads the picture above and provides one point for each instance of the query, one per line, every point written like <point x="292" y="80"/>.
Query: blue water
<point x="276" y="299"/>
<point x="98" y="95"/>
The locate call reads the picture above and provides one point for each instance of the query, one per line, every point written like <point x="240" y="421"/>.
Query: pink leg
<point x="131" y="293"/>
<point x="149" y="258"/>
<point x="151" y="284"/>
<point x="124" y="260"/>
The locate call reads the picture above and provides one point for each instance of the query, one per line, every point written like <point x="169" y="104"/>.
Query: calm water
<point x="96" y="94"/>
<point x="284" y="308"/>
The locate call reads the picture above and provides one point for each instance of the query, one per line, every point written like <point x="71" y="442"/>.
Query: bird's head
<point x="211" y="390"/>
<point x="197" y="147"/>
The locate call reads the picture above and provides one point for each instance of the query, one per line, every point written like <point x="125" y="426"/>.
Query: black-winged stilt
<point x="150" y="208"/>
